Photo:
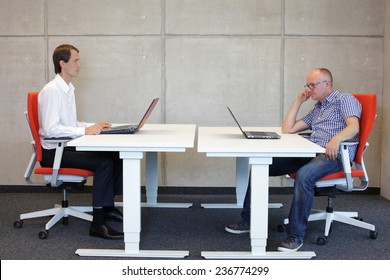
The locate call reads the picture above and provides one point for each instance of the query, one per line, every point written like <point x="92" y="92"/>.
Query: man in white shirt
<point x="58" y="118"/>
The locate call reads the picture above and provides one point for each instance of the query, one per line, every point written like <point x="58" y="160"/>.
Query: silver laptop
<point x="131" y="128"/>
<point x="255" y="134"/>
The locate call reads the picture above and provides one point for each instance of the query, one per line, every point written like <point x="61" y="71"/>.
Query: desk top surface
<point x="152" y="137"/>
<point x="226" y="140"/>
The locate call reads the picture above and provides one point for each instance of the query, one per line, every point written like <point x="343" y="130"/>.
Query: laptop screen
<point x="147" y="114"/>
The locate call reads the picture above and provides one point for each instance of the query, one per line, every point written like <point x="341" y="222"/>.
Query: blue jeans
<point x="308" y="171"/>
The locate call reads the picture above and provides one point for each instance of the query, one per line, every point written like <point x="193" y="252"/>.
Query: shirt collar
<point x="329" y="98"/>
<point x="65" y="87"/>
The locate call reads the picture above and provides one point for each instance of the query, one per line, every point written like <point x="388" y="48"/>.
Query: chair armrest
<point x="61" y="144"/>
<point x="57" y="139"/>
<point x="347" y="164"/>
<point x="349" y="142"/>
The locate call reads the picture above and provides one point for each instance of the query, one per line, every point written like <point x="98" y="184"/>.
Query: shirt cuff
<point x="80" y="131"/>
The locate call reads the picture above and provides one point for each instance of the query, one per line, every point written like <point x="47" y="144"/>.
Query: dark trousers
<point x="108" y="178"/>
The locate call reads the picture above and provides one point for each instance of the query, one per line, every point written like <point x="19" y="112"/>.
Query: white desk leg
<point x="131" y="200"/>
<point x="242" y="179"/>
<point x="259" y="220"/>
<point x="132" y="215"/>
<point x="152" y="185"/>
<point x="259" y="204"/>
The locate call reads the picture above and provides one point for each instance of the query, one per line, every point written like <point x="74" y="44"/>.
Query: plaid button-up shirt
<point x="329" y="118"/>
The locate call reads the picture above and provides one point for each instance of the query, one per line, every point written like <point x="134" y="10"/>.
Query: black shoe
<point x="114" y="215"/>
<point x="105" y="231"/>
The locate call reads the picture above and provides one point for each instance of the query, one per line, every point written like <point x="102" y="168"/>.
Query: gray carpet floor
<point x="194" y="229"/>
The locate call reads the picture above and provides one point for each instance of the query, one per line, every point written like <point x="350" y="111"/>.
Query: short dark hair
<point x="62" y="52"/>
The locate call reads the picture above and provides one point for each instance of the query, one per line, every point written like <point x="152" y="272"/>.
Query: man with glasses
<point x="334" y="118"/>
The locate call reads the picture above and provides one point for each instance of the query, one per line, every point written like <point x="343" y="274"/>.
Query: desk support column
<point x="131" y="200"/>
<point x="152" y="185"/>
<point x="242" y="177"/>
<point x="259" y="209"/>
<point x="151" y="178"/>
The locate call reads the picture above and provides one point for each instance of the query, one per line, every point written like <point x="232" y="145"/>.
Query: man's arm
<point x="290" y="123"/>
<point x="352" y="128"/>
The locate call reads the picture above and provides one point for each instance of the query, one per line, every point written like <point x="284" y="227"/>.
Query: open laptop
<point x="256" y="134"/>
<point x="131" y="128"/>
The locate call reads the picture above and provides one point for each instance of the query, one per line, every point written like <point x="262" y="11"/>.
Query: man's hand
<point x="332" y="148"/>
<point x="97" y="128"/>
<point x="303" y="96"/>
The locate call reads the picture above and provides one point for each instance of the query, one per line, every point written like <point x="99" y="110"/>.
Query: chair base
<point x="350" y="218"/>
<point x="58" y="212"/>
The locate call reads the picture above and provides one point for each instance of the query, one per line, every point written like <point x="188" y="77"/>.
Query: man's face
<point x="317" y="86"/>
<point x="72" y="67"/>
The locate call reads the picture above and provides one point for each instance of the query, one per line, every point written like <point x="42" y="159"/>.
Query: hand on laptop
<point x="96" y="128"/>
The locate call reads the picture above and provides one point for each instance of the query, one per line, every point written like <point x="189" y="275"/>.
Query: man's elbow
<point x="284" y="130"/>
<point x="357" y="130"/>
<point x="287" y="130"/>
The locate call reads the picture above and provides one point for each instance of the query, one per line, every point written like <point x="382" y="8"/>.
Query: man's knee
<point x="304" y="179"/>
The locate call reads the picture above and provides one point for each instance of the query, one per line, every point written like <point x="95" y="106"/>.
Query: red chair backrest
<point x="368" y="102"/>
<point x="33" y="120"/>
<point x="32" y="113"/>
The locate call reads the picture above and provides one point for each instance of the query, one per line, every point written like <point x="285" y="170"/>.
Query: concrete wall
<point x="198" y="56"/>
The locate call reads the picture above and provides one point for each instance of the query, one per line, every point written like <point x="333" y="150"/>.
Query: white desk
<point x="151" y="139"/>
<point x="229" y="142"/>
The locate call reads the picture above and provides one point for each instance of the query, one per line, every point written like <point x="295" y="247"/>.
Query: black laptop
<point x="256" y="134"/>
<point x="131" y="128"/>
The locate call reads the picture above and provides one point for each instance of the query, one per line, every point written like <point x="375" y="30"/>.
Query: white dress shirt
<point x="57" y="112"/>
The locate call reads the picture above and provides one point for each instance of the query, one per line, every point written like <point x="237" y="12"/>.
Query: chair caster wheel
<point x="373" y="234"/>
<point x="281" y="228"/>
<point x="43" y="234"/>
<point x="321" y="240"/>
<point x="18" y="224"/>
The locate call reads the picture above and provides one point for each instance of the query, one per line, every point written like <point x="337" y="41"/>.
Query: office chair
<point x="344" y="180"/>
<point x="56" y="176"/>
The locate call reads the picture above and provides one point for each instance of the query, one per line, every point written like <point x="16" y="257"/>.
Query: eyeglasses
<point x="313" y="86"/>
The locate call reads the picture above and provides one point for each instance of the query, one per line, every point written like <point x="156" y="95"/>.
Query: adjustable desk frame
<point x="229" y="142"/>
<point x="151" y="139"/>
